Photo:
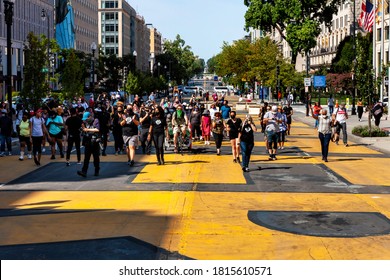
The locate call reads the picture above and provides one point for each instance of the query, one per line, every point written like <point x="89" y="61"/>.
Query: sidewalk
<point x="381" y="144"/>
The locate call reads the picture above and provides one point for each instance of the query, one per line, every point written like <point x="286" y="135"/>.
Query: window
<point x="379" y="34"/>
<point x="111" y="16"/>
<point x="386" y="33"/>
<point x="111" y="39"/>
<point x="110" y="4"/>
<point x="111" y="27"/>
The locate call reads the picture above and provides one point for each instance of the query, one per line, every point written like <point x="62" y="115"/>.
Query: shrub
<point x="363" y="131"/>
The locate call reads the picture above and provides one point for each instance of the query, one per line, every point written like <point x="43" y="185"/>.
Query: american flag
<point x="367" y="16"/>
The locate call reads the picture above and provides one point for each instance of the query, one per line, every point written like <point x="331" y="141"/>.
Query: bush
<point x="363" y="131"/>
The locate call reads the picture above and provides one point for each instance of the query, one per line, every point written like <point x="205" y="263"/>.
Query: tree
<point x="133" y="84"/>
<point x="72" y="77"/>
<point x="297" y="21"/>
<point x="34" y="87"/>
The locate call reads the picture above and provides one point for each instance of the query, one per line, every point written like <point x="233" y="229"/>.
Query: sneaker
<point x="132" y="163"/>
<point x="128" y="162"/>
<point x="270" y="157"/>
<point x="234" y="160"/>
<point x="29" y="156"/>
<point x="21" y="158"/>
<point x="346" y="145"/>
<point x="282" y="148"/>
<point x="82" y="174"/>
<point x="67" y="163"/>
<point x="53" y="157"/>
<point x="96" y="173"/>
<point x="274" y="157"/>
<point x="238" y="160"/>
<point x="36" y="161"/>
<point x="43" y="150"/>
<point x="10" y="153"/>
<point x="337" y="142"/>
<point x="79" y="162"/>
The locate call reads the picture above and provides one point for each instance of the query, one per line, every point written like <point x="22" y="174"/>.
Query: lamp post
<point x="92" y="79"/>
<point x="158" y="69"/>
<point x="45" y="16"/>
<point x="354" y="59"/>
<point x="9" y="13"/>
<point x="135" y="60"/>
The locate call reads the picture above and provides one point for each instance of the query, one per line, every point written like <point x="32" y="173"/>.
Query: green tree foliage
<point x="34" y="87"/>
<point x="133" y="85"/>
<point x="364" y="71"/>
<point x="72" y="77"/>
<point x="341" y="63"/>
<point x="297" y="21"/>
<point x="179" y="62"/>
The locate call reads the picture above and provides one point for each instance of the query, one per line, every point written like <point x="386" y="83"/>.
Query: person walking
<point x="37" y="132"/>
<point x="104" y="127"/>
<point x="55" y="124"/>
<point x="91" y="133"/>
<point x="377" y="112"/>
<point x="340" y="115"/>
<point x="331" y="104"/>
<point x="233" y="125"/>
<point x="272" y="119"/>
<point x="24" y="136"/>
<point x="6" y="129"/>
<point x="316" y="111"/>
<point x="324" y="132"/>
<point x="73" y="126"/>
<point x="218" y="126"/>
<point x="247" y="141"/>
<point x="206" y="126"/>
<point x="145" y="119"/>
<point x="289" y="112"/>
<point x="129" y="123"/>
<point x="282" y="128"/>
<point x="117" y="129"/>
<point x="360" y="109"/>
<point x="195" y="121"/>
<point x="158" y="129"/>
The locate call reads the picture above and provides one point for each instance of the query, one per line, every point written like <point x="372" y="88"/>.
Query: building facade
<point x="86" y="24"/>
<point x="155" y="45"/>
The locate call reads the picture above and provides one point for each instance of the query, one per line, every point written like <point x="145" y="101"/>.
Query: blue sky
<point x="204" y="25"/>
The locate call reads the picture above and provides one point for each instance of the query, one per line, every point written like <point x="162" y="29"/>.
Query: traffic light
<point x="277" y="70"/>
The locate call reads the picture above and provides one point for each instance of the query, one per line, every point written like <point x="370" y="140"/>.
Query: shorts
<point x="233" y="135"/>
<point x="176" y="128"/>
<point x="131" y="141"/>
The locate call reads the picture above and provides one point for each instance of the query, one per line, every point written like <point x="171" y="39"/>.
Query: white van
<point x="193" y="89"/>
<point x="222" y="90"/>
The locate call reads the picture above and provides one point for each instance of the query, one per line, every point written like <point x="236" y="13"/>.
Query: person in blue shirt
<point x="225" y="111"/>
<point x="55" y="125"/>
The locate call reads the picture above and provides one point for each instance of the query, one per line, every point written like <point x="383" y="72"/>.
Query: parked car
<point x="222" y="90"/>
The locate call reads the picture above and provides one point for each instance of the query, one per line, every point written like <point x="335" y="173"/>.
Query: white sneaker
<point x="10" y="153"/>
<point x="29" y="156"/>
<point x="21" y="158"/>
<point x="43" y="150"/>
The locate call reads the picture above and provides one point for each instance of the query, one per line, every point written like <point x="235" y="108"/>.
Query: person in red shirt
<point x="316" y="111"/>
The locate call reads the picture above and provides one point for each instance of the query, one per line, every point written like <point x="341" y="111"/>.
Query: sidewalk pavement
<point x="381" y="144"/>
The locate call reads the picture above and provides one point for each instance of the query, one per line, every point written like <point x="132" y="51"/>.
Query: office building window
<point x="111" y="27"/>
<point x="109" y="4"/>
<point x="386" y="33"/>
<point x="379" y="34"/>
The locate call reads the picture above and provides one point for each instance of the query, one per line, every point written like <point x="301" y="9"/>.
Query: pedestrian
<point x="24" y="136"/>
<point x="272" y="120"/>
<point x="37" y="132"/>
<point x="282" y="128"/>
<point x="213" y="110"/>
<point x="145" y="119"/>
<point x="246" y="141"/>
<point x="225" y="111"/>
<point x="263" y="110"/>
<point x="331" y="104"/>
<point x="55" y="124"/>
<point x="218" y="128"/>
<point x="73" y="127"/>
<point x="91" y="134"/>
<point x="324" y="132"/>
<point x="340" y="116"/>
<point x="117" y="129"/>
<point x="6" y="129"/>
<point x="360" y="109"/>
<point x="129" y="123"/>
<point x="195" y="121"/>
<point x="158" y="129"/>
<point x="104" y="127"/>
<point x="288" y="110"/>
<point x="316" y="111"/>
<point x="206" y="126"/>
<point x="377" y="112"/>
<point x="233" y="125"/>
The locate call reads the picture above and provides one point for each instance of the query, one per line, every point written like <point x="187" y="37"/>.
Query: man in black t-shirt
<point x="129" y="123"/>
<point x="72" y="127"/>
<point x="145" y="119"/>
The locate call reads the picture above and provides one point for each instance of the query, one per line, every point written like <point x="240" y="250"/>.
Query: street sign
<point x="307" y="82"/>
<point x="319" y="81"/>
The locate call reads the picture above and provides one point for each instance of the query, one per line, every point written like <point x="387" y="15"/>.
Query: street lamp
<point x="92" y="79"/>
<point x="354" y="59"/>
<point x="9" y="13"/>
<point x="135" y="60"/>
<point x="44" y="16"/>
<point x="158" y="68"/>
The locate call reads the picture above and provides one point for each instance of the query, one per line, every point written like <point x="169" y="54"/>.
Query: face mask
<point x="233" y="116"/>
<point x="179" y="113"/>
<point x="130" y="112"/>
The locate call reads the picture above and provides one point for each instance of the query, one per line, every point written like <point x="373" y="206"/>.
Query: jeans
<point x="91" y="148"/>
<point x="76" y="140"/>
<point x="145" y="144"/>
<point x="325" y="140"/>
<point x="246" y="151"/>
<point x="158" y="140"/>
<point x="5" y="140"/>
<point x="343" y="127"/>
<point x="218" y="139"/>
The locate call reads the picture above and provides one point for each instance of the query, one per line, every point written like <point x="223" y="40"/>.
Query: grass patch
<point x="363" y="131"/>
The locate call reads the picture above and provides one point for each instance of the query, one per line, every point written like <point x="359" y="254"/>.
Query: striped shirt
<point x="324" y="124"/>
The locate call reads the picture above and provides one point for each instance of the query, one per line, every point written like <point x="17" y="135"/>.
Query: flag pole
<point x="374" y="56"/>
<point x="382" y="48"/>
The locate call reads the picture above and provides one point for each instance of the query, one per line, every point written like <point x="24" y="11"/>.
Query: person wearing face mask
<point x="195" y="121"/>
<point x="324" y="131"/>
<point x="129" y="123"/>
<point x="272" y="119"/>
<point x="24" y="136"/>
<point x="90" y="128"/>
<point x="247" y="141"/>
<point x="232" y="126"/>
<point x="157" y="130"/>
<point x="179" y="123"/>
<point x="55" y="125"/>
<point x="340" y="116"/>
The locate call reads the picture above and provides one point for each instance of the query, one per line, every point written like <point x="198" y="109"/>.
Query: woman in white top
<point x="37" y="131"/>
<point x="324" y="131"/>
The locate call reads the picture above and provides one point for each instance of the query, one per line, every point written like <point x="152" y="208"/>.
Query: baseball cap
<point x="274" y="108"/>
<point x="86" y="115"/>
